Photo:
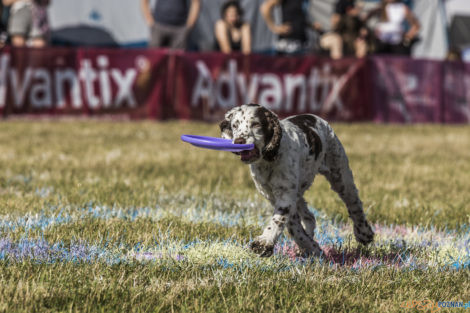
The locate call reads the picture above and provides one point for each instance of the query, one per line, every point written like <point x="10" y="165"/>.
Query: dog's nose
<point x="239" y="141"/>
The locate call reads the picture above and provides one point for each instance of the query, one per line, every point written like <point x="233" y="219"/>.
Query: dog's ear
<point x="272" y="132"/>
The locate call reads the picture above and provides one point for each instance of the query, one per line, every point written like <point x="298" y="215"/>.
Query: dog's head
<point x="252" y="123"/>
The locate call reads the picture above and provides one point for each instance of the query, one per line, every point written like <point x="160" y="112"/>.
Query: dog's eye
<point x="255" y="124"/>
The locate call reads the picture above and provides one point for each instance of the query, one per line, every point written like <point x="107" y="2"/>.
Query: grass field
<point x="120" y="216"/>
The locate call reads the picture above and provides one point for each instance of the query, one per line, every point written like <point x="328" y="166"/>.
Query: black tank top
<point x="234" y="45"/>
<point x="293" y="13"/>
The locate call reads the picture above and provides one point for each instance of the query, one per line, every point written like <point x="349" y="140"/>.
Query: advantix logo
<point x="319" y="90"/>
<point x="49" y="87"/>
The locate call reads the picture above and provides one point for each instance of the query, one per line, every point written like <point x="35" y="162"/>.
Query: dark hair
<point x="42" y="2"/>
<point x="231" y="3"/>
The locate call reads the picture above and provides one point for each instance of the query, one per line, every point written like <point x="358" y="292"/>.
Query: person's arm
<point x="193" y="13"/>
<point x="222" y="37"/>
<point x="144" y="5"/>
<point x="317" y="26"/>
<point x="334" y="21"/>
<point x="372" y="13"/>
<point x="266" y="11"/>
<point x="8" y="2"/>
<point x="415" y="26"/>
<point x="246" y="38"/>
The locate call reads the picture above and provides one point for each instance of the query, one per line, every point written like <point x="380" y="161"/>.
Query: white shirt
<point x="391" y="31"/>
<point x="466" y="54"/>
<point x="20" y="4"/>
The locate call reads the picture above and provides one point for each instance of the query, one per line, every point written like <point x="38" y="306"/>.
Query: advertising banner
<point x="67" y="81"/>
<point x="457" y="92"/>
<point x="208" y="85"/>
<point x="164" y="84"/>
<point x="407" y="90"/>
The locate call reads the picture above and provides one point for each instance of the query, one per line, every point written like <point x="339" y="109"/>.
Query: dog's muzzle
<point x="246" y="156"/>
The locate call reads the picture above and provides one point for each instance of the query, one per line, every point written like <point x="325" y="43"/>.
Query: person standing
<point x="292" y="32"/>
<point x="28" y="23"/>
<point x="348" y="32"/>
<point x="391" y="32"/>
<point x="3" y="24"/>
<point x="170" y="21"/>
<point x="231" y="33"/>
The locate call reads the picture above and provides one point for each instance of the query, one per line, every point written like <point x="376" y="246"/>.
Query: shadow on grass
<point x="358" y="257"/>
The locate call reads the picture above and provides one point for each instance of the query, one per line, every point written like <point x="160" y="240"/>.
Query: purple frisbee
<point x="215" y="143"/>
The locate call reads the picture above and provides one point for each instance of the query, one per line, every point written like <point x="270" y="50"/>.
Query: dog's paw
<point x="306" y="252"/>
<point x="363" y="233"/>
<point x="261" y="247"/>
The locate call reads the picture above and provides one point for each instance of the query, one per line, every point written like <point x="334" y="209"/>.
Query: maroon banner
<point x="162" y="84"/>
<point x="457" y="92"/>
<point x="407" y="90"/>
<point x="67" y="81"/>
<point x="207" y="85"/>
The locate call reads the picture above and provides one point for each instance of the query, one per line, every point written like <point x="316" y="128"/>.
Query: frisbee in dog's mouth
<point x="216" y="143"/>
<point x="249" y="155"/>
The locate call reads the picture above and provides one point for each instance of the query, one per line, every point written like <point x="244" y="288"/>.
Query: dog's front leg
<point x="264" y="244"/>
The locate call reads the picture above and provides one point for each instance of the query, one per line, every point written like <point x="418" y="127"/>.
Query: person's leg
<point x="333" y="43"/>
<point x="39" y="33"/>
<point x="158" y="33"/>
<point x="18" y="41"/>
<point x="38" y="42"/>
<point x="360" y="46"/>
<point x="178" y="37"/>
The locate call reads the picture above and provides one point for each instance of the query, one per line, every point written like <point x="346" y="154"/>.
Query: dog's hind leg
<point x="308" y="219"/>
<point x="337" y="172"/>
<point x="305" y="241"/>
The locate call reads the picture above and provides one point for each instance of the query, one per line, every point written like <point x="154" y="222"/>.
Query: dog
<point x="287" y="156"/>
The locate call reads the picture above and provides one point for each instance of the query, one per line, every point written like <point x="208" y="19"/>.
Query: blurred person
<point x="292" y="32"/>
<point x="342" y="7"/>
<point x="465" y="53"/>
<point x="454" y="54"/>
<point x="353" y="30"/>
<point x="170" y="21"/>
<point x="348" y="35"/>
<point x="231" y="33"/>
<point x="390" y="30"/>
<point x="28" y="23"/>
<point x="4" y="11"/>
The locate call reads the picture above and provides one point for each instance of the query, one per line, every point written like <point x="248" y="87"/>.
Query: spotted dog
<point x="287" y="155"/>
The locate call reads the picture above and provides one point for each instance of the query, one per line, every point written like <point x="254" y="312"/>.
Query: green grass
<point x="123" y="187"/>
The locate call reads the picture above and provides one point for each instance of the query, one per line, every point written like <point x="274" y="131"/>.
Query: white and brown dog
<point x="287" y="156"/>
